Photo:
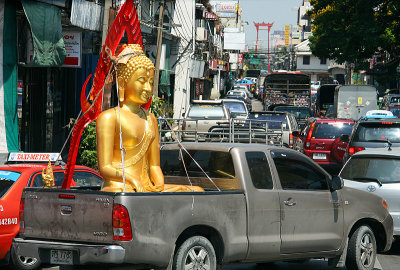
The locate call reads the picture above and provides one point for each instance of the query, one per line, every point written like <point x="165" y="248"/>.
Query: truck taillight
<point x="21" y="216"/>
<point x="291" y="139"/>
<point x="308" y="139"/>
<point x="122" y="229"/>
<point x="353" y="150"/>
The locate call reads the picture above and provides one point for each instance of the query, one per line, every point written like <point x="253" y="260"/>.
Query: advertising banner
<point x="73" y="48"/>
<point x="224" y="8"/>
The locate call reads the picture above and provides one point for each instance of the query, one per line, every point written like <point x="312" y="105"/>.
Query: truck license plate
<point x="319" y="156"/>
<point x="61" y="256"/>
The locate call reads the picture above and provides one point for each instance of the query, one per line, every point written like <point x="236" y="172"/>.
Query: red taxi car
<point x="13" y="179"/>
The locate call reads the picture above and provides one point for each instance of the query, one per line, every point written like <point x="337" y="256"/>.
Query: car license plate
<point x="319" y="156"/>
<point x="61" y="256"/>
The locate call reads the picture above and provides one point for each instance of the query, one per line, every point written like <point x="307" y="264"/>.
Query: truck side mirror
<point x="296" y="133"/>
<point x="345" y="138"/>
<point x="337" y="183"/>
<point x="233" y="115"/>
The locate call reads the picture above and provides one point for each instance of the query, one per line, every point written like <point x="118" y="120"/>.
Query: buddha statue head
<point x="135" y="74"/>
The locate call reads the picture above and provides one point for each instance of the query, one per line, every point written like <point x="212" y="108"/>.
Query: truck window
<point x="218" y="166"/>
<point x="84" y="179"/>
<point x="259" y="170"/>
<point x="294" y="173"/>
<point x="215" y="163"/>
<point x="58" y="179"/>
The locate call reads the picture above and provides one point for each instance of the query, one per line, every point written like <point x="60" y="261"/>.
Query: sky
<point x="280" y="12"/>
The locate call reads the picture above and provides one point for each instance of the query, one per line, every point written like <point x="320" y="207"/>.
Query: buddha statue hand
<point x="136" y="184"/>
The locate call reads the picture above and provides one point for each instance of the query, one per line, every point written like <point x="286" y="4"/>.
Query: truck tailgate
<point x="68" y="215"/>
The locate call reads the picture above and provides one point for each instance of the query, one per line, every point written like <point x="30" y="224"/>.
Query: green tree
<point x="354" y="30"/>
<point x="87" y="154"/>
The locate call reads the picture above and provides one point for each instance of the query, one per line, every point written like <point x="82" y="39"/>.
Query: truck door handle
<point x="289" y="202"/>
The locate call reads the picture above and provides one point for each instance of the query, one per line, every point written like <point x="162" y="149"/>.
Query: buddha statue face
<point x="135" y="74"/>
<point x="139" y="87"/>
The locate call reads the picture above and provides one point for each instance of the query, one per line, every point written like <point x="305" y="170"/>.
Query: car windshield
<point x="236" y="107"/>
<point x="209" y="111"/>
<point x="331" y="130"/>
<point x="236" y="97"/>
<point x="299" y="112"/>
<point x="363" y="169"/>
<point x="395" y="111"/>
<point x="369" y="132"/>
<point x="278" y="120"/>
<point x="236" y="93"/>
<point x="7" y="179"/>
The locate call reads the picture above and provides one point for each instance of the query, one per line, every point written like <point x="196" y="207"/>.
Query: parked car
<point x="237" y="107"/>
<point x="377" y="171"/>
<point x="301" y="113"/>
<point x="243" y="88"/>
<point x="241" y="97"/>
<point x="200" y="116"/>
<point x="286" y="123"/>
<point x="239" y="92"/>
<point x="372" y="132"/>
<point x="261" y="204"/>
<point x="318" y="136"/>
<point x="13" y="179"/>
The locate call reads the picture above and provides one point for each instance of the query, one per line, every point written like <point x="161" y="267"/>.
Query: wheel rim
<point x="27" y="261"/>
<point x="367" y="250"/>
<point x="197" y="259"/>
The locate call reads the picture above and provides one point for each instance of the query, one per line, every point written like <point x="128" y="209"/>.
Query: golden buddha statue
<point x="134" y="128"/>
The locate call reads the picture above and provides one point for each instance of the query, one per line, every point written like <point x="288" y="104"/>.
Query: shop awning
<point x="48" y="43"/>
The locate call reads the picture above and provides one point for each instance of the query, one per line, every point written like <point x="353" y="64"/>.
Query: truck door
<point x="311" y="215"/>
<point x="263" y="208"/>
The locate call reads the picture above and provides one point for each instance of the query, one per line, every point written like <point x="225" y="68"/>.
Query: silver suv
<point x="377" y="171"/>
<point x="286" y="123"/>
<point x="201" y="116"/>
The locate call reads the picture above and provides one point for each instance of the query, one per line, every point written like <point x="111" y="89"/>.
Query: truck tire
<point x="361" y="251"/>
<point x="196" y="251"/>
<point x="24" y="263"/>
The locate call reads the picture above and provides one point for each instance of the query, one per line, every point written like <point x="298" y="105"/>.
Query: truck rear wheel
<point x="23" y="262"/>
<point x="361" y="251"/>
<point x="196" y="252"/>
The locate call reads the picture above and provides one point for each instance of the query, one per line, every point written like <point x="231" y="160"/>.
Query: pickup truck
<point x="260" y="204"/>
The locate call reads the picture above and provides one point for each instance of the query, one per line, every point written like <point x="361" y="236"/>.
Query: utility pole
<point x="107" y="6"/>
<point x="159" y="46"/>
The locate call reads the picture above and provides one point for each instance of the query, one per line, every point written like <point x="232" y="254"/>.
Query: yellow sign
<point x="287" y="35"/>
<point x="360" y="100"/>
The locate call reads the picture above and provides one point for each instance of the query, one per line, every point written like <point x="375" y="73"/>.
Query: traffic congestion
<point x="174" y="134"/>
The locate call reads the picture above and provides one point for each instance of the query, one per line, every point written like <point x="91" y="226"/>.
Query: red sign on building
<point x="240" y="58"/>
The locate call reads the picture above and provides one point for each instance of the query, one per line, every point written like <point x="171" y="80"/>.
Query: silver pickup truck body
<point x="243" y="223"/>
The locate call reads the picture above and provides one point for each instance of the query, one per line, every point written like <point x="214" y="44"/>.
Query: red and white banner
<point x="73" y="46"/>
<point x="34" y="157"/>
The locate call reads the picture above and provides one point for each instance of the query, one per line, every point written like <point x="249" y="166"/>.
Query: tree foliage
<point x="87" y="154"/>
<point x="354" y="30"/>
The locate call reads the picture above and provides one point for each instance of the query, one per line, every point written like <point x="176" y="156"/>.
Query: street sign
<point x="254" y="62"/>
